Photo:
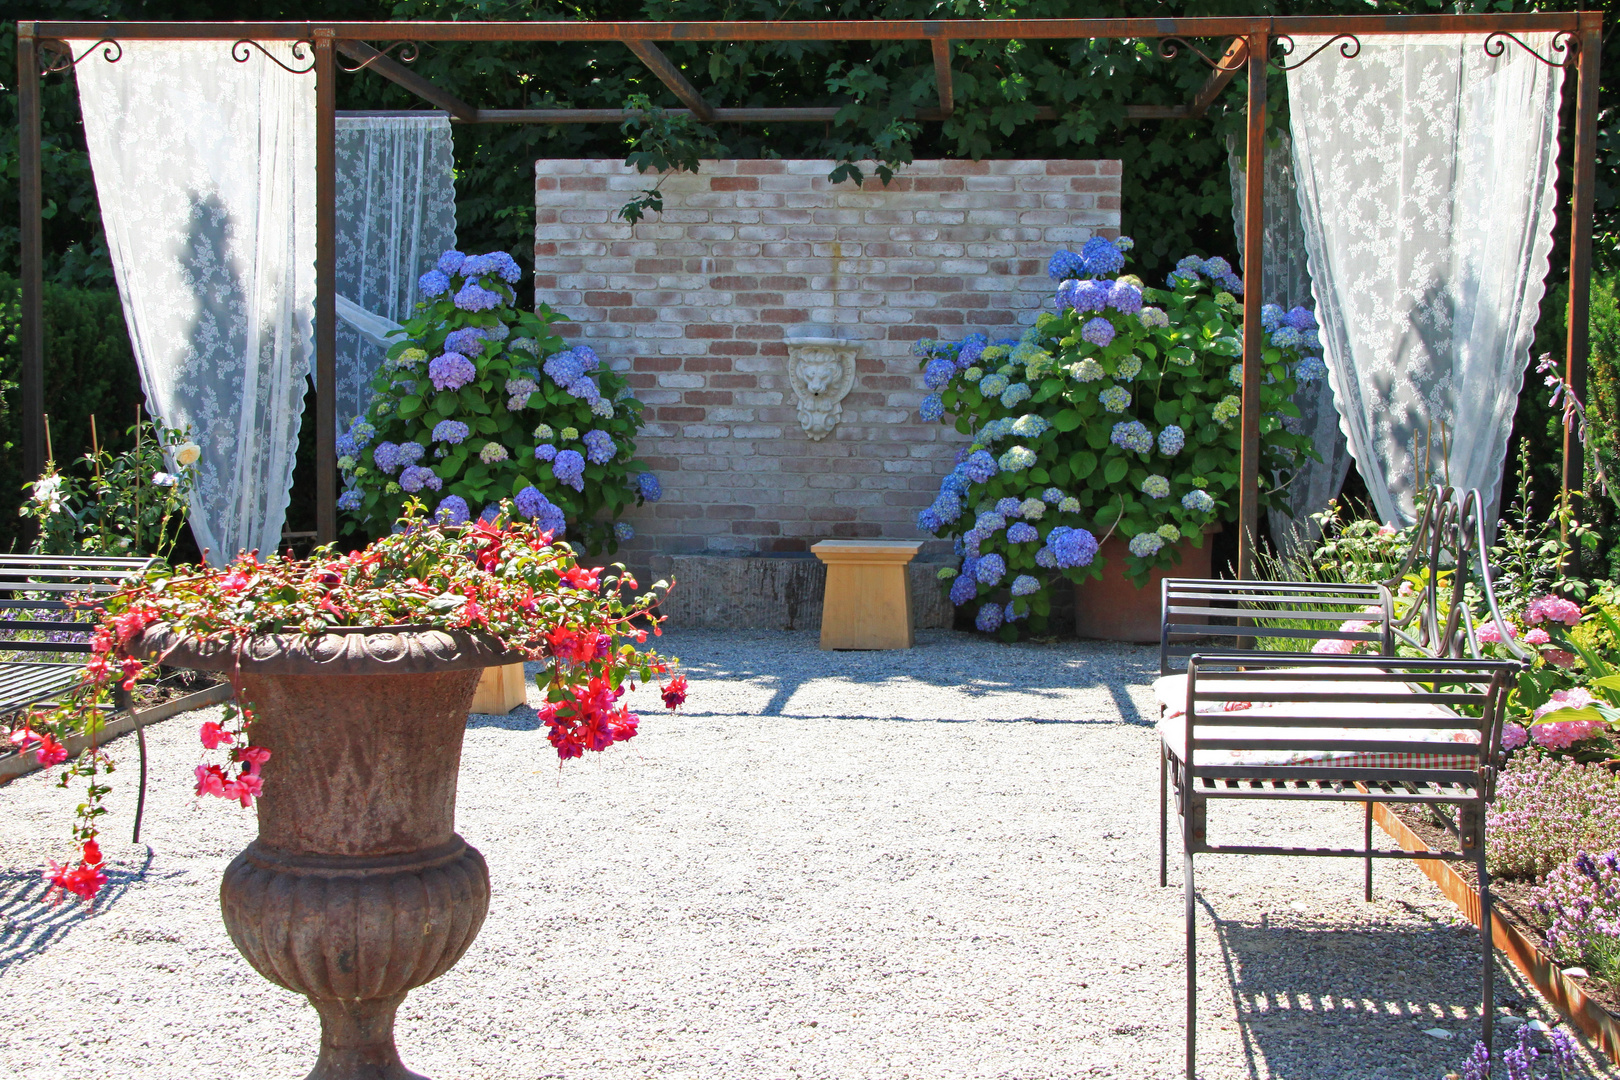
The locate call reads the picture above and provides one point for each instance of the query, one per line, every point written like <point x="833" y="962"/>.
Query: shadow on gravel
<point x="1327" y="1001"/>
<point x="522" y="718"/>
<point x="31" y="921"/>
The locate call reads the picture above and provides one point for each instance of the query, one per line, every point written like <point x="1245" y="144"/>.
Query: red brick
<point x="708" y="330"/>
<point x="733" y="183"/>
<point x="734" y="348"/>
<point x="609" y="299"/>
<point x="761" y="167"/>
<point x="707" y="363"/>
<point x="733" y="513"/>
<point x="631" y="314"/>
<point x="707" y="397"/>
<point x="676" y="413"/>
<point x="581" y="183"/>
<point x="657" y="363"/>
<point x="756" y="528"/>
<point x="733" y="382"/>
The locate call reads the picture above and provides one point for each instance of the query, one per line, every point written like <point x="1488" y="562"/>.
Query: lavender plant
<point x="1549" y="809"/>
<point x="1519" y="1060"/>
<point x="1581" y="902"/>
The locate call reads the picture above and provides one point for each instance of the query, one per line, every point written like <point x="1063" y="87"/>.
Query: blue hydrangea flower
<point x="1129" y="368"/>
<point x="1156" y="486"/>
<point x="1124" y="243"/>
<point x="931" y="409"/>
<point x="1064" y="265"/>
<point x="451" y="371"/>
<point x="584" y="389"/>
<point x="622" y="532"/>
<point x="1089" y="295"/>
<point x="990" y="570"/>
<point x="529" y="501"/>
<point x="1072" y="547"/>
<point x="964" y="588"/>
<point x="385" y="455"/>
<point x="363" y="432"/>
<point x="1098" y="331"/>
<point x="432" y="284"/>
<point x="1101" y="256"/>
<point x="1046" y="558"/>
<point x="651" y="490"/>
<point x="1069" y="505"/>
<point x="346" y="446"/>
<point x="545" y="452"/>
<point x="947" y="507"/>
<point x="990" y="521"/>
<point x="1022" y="532"/>
<point x="980" y="466"/>
<point x="468" y="341"/>
<point x="1311" y="369"/>
<point x="450" y="431"/>
<point x="452" y="510"/>
<point x="569" y="468"/>
<point x="989" y="618"/>
<point x="1301" y="319"/>
<point x="992" y="385"/>
<point x="1011" y="613"/>
<point x="1234" y="375"/>
<point x="956" y="482"/>
<point x="1125" y="298"/>
<point x="1087" y="370"/>
<point x="505" y="266"/>
<point x="1227" y="409"/>
<point x="1198" y="501"/>
<point x="1030" y="426"/>
<point x="599" y="446"/>
<point x="1145" y="545"/>
<point x="1025" y="585"/>
<point x="928" y="521"/>
<point x="996" y="430"/>
<point x="564" y="368"/>
<point x="972" y="347"/>
<point x="474" y="297"/>
<point x="491" y="512"/>
<point x="1017" y="459"/>
<point x="1006" y="507"/>
<point x="416" y="477"/>
<point x="588" y="357"/>
<point x="1052" y="495"/>
<point x="938" y="373"/>
<point x="1153" y="318"/>
<point x="1286" y="337"/>
<point x="1171" y="441"/>
<point x="1014" y="395"/>
<point x="1217" y="268"/>
<point x="349" y="500"/>
<point x="1032" y="509"/>
<point x="1271" y="317"/>
<point x="1311" y="340"/>
<point x="1116" y="399"/>
<point x="1132" y="435"/>
<point x="1232" y="284"/>
<point x="1063" y="299"/>
<point x="450" y="262"/>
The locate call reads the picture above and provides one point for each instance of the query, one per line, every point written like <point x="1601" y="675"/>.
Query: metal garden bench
<point x="1418" y="723"/>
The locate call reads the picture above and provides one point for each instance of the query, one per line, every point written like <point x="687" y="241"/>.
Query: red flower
<point x="210" y="780"/>
<point x="92" y="852"/>
<point x="245" y="788"/>
<point x="83" y="881"/>
<point x="132" y="667"/>
<point x="675" y="692"/>
<point x="51" y="752"/>
<point x="213" y="735"/>
<point x="255" y="756"/>
<point x="21" y="737"/>
<point x="234" y="582"/>
<point x="581" y="578"/>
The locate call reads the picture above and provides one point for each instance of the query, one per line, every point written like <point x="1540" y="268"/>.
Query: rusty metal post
<point x="1254" y="222"/>
<point x="31" y="332"/>
<point x="1580" y="255"/>
<point x="326" y="418"/>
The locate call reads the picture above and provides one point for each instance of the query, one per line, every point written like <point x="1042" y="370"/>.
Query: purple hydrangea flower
<point x="530" y="502"/>
<point x="474" y="297"/>
<point x="938" y="373"/>
<point x="452" y="510"/>
<point x="972" y="348"/>
<point x="1098" y="331"/>
<point x="1072" y="547"/>
<point x="1101" y="256"/>
<point x="928" y="521"/>
<point x="491" y="512"/>
<point x="1025" y="585"/>
<point x="1301" y="319"/>
<point x="1065" y="265"/>
<point x="1046" y="557"/>
<point x="584" y="389"/>
<point x="506" y="267"/>
<point x="416" y="477"/>
<point x="990" y="570"/>
<point x="931" y="409"/>
<point x="410" y="453"/>
<point x="1090" y="295"/>
<point x="564" y="368"/>
<point x="451" y="371"/>
<point x="651" y="490"/>
<point x="599" y="446"/>
<point x="980" y="466"/>
<point x="545" y="452"/>
<point x="450" y="431"/>
<point x="385" y="455"/>
<point x="1125" y="298"/>
<point x="553" y="520"/>
<point x="1063" y="299"/>
<point x="468" y="341"/>
<point x="989" y="618"/>
<point x="964" y="588"/>
<point x="433" y="283"/>
<point x="450" y="262"/>
<point x="350" y="499"/>
<point x="569" y="468"/>
<point x="1022" y="532"/>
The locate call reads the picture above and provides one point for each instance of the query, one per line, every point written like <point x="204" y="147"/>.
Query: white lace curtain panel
<point x="1285" y="280"/>
<point x="1426" y="173"/>
<point x="205" y="170"/>
<point x="396" y="213"/>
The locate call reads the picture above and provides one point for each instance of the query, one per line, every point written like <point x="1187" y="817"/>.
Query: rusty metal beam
<point x="326" y="471"/>
<point x="395" y="72"/>
<point x="942" y="75"/>
<point x="1231" y="62"/>
<point x="1254" y="255"/>
<point x="670" y="75"/>
<point x="1580" y="254"/>
<point x="810" y="30"/>
<point x="31" y="332"/>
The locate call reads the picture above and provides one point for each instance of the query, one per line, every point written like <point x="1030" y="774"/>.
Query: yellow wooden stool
<point x="867" y="604"/>
<point x="500" y="690"/>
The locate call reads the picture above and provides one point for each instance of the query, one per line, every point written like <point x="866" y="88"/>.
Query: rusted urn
<point x="357" y="889"/>
<point x="1113" y="608"/>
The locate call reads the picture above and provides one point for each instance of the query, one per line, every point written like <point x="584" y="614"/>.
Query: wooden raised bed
<point x="1596" y="1022"/>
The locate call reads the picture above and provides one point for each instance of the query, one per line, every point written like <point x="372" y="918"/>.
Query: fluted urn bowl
<point x="358" y="888"/>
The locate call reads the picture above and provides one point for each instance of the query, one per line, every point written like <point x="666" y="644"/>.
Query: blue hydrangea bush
<point x="1116" y="414"/>
<point x="480" y="402"/>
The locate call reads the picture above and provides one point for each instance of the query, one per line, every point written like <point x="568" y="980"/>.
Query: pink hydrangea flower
<point x="1536" y="636"/>
<point x="1514" y="736"/>
<point x="1491" y="632"/>
<point x="1562" y="734"/>
<point x="1577" y="697"/>
<point x="1553" y="609"/>
<point x="1340" y="646"/>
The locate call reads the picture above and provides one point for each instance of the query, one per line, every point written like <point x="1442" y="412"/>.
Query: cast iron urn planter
<point x="358" y="888"/>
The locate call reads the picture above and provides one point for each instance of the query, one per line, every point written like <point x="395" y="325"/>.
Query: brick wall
<point x="694" y="303"/>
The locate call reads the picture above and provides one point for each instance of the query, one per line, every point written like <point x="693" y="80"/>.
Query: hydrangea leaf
<point x="1115" y="470"/>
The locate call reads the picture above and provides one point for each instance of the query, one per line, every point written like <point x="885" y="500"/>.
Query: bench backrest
<point x="35" y="591"/>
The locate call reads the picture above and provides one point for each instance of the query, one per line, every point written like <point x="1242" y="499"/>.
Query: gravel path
<point x="885" y="865"/>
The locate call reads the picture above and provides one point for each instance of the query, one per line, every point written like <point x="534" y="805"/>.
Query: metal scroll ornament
<point x="822" y="370"/>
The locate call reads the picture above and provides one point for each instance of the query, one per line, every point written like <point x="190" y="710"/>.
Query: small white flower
<point x="187" y="453"/>
<point x="163" y="479"/>
<point x="47" y="490"/>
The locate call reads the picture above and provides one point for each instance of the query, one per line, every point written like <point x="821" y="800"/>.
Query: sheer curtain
<point x="205" y="170"/>
<point x="1285" y="280"/>
<point x="1426" y="175"/>
<point x="396" y="213"/>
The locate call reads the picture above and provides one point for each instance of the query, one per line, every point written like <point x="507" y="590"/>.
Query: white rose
<point x="187" y="453"/>
<point x="163" y="479"/>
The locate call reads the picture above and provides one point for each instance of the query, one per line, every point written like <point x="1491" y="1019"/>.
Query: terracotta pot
<point x="358" y="888"/>
<point x="1113" y="608"/>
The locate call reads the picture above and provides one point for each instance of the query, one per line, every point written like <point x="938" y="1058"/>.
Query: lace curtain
<point x="205" y="170"/>
<point x="1286" y="281"/>
<point x="396" y="212"/>
<point x="1426" y="178"/>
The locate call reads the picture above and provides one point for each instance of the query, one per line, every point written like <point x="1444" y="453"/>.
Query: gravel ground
<point x="933" y="864"/>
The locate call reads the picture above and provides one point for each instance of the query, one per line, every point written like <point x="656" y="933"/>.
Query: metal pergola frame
<point x="1578" y="41"/>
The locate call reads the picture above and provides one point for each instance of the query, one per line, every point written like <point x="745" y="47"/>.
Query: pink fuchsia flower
<point x="210" y="780"/>
<point x="1514" y="736"/>
<point x="255" y="756"/>
<point x="213" y="735"/>
<point x="1553" y="609"/>
<point x="1490" y="631"/>
<point x="1536" y="636"/>
<point x="50" y="752"/>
